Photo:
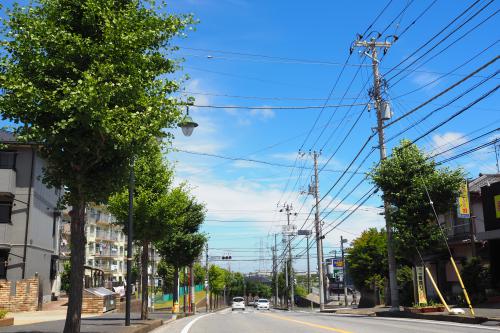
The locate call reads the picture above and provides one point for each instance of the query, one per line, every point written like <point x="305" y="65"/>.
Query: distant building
<point x="29" y="219"/>
<point x="105" y="249"/>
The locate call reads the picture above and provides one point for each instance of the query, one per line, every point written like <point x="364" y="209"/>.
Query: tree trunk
<point x="74" y="311"/>
<point x="144" y="278"/>
<point x="175" y="293"/>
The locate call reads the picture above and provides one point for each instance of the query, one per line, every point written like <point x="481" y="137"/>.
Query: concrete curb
<point x="438" y="317"/>
<point x="144" y="328"/>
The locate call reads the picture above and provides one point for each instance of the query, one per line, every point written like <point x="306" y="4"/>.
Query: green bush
<point x="3" y="313"/>
<point x="476" y="279"/>
<point x="405" y="283"/>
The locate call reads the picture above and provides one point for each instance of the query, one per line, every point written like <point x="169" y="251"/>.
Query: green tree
<point x="88" y="80"/>
<point x="404" y="178"/>
<point x="153" y="178"/>
<point x="217" y="281"/>
<point x="199" y="272"/>
<point x="65" y="277"/>
<point x="184" y="243"/>
<point x="367" y="262"/>
<point x="166" y="272"/>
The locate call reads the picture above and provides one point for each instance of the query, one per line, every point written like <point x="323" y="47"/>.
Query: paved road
<point x="251" y="321"/>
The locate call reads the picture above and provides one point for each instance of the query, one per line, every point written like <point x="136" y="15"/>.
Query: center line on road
<point x="328" y="328"/>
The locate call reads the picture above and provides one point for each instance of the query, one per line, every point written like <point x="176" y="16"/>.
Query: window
<point x="5" y="211"/>
<point x="4" y="257"/>
<point x="8" y="160"/>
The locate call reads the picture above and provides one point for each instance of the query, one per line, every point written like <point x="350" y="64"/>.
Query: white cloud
<point x="285" y="156"/>
<point x="425" y="79"/>
<point x="263" y="114"/>
<point x="443" y="142"/>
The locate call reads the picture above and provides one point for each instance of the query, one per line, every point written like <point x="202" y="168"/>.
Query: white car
<point x="238" y="303"/>
<point x="262" y="304"/>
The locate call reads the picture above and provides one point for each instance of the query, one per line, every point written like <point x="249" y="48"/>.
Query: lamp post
<point x="187" y="125"/>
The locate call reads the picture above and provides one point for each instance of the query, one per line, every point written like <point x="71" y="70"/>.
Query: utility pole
<point x="319" y="236"/>
<point x="207" y="279"/>
<point x="371" y="46"/>
<point x="496" y="156"/>
<point x="308" y="270"/>
<point x="276" y="277"/>
<point x="344" y="276"/>
<point x="288" y="211"/>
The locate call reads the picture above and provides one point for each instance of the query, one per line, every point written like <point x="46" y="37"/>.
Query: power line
<point x="454" y="99"/>
<point x="416" y="19"/>
<point x="439" y="42"/>
<point x="442" y="92"/>
<point x="410" y="56"/>
<point x="467" y="152"/>
<point x="446" y="74"/>
<point x="247" y="160"/>
<point x="295" y="107"/>
<point x="466" y="142"/>
<point x="456" y="114"/>
<point x="449" y="45"/>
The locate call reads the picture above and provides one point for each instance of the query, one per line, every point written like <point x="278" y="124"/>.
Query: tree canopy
<point x="87" y="79"/>
<point x="405" y="177"/>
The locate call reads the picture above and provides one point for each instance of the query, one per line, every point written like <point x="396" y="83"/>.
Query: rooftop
<point x="483" y="180"/>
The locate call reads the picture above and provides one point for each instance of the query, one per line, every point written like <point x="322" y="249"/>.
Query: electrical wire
<point x="410" y="56"/>
<point x="479" y="69"/>
<point x="441" y="41"/>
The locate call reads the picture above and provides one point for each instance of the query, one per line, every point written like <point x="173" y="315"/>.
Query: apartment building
<point x="106" y="244"/>
<point x="105" y="248"/>
<point x="29" y="218"/>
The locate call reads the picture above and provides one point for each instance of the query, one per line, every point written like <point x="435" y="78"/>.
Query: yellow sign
<point x="463" y="202"/>
<point x="497" y="205"/>
<point x="421" y="294"/>
<point x="338" y="263"/>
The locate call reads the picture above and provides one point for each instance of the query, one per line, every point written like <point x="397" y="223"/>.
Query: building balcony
<point x="7" y="181"/>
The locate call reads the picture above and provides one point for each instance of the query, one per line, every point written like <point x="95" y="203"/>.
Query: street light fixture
<point x="187" y="124"/>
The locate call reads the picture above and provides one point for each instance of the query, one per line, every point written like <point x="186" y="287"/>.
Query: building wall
<point x="41" y="242"/>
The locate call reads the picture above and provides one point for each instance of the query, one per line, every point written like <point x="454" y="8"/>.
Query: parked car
<point x="238" y="303"/>
<point x="262" y="304"/>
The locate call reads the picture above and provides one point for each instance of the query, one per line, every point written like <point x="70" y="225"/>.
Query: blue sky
<point x="290" y="53"/>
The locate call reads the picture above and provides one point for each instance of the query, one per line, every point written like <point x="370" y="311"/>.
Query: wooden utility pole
<point x="319" y="236"/>
<point x="371" y="47"/>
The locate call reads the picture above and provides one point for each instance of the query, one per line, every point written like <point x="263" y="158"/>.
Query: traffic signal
<point x="226" y="257"/>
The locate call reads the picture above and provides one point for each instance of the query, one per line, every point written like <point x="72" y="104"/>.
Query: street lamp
<point x="187" y="124"/>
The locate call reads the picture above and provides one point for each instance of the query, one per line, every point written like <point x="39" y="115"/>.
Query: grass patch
<point x="198" y="296"/>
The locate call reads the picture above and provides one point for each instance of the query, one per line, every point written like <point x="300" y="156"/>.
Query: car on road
<point x="262" y="304"/>
<point x="238" y="303"/>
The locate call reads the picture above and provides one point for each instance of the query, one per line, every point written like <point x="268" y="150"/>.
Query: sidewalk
<point x="106" y="323"/>
<point x="483" y="314"/>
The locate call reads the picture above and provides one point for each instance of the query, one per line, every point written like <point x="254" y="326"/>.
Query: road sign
<point x="337" y="262"/>
<point x="304" y="232"/>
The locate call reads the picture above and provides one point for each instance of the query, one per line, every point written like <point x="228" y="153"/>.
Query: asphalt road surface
<point x="252" y="321"/>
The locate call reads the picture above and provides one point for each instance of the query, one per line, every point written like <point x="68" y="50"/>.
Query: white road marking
<point x="191" y="323"/>
<point x="432" y="322"/>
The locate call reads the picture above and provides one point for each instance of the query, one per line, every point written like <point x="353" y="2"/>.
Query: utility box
<point x="98" y="300"/>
